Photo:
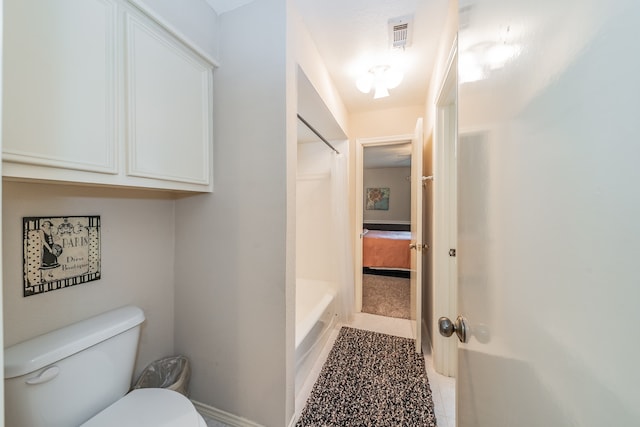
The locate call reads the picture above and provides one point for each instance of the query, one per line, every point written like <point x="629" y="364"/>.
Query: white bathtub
<point x="315" y="316"/>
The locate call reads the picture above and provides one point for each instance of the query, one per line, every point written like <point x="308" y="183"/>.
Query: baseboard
<point x="374" y="221"/>
<point x="405" y="274"/>
<point x="222" y="416"/>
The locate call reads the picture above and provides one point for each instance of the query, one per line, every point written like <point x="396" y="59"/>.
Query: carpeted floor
<point x="386" y="296"/>
<point x="370" y="379"/>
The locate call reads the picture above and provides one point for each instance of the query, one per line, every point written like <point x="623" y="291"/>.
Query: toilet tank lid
<point x="31" y="355"/>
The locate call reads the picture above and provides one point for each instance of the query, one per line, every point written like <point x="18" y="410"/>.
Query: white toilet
<point x="80" y="375"/>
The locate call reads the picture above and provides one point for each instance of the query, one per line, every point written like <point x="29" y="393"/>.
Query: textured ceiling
<point x="352" y="36"/>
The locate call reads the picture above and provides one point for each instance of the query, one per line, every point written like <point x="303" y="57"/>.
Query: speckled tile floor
<point x="442" y="388"/>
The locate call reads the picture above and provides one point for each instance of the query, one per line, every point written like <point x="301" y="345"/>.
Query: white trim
<point x="313" y="177"/>
<point x="443" y="274"/>
<point x="143" y="7"/>
<point x="447" y="80"/>
<point x="357" y="244"/>
<point x="385" y="140"/>
<point x="371" y="221"/>
<point x="417" y="197"/>
<point x="222" y="416"/>
<point x="427" y="347"/>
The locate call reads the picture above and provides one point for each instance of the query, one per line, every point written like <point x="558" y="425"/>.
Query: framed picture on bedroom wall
<point x="377" y="199"/>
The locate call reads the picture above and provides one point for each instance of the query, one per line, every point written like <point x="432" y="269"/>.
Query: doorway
<point x="400" y="146"/>
<point x="386" y="230"/>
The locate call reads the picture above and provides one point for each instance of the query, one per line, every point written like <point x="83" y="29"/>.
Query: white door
<point x="416" y="235"/>
<point x="549" y="213"/>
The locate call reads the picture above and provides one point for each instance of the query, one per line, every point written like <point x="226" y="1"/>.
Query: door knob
<point x="412" y="246"/>
<point x="447" y="328"/>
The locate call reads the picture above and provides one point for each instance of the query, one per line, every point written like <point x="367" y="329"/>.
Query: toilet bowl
<point x="80" y="375"/>
<point x="149" y="407"/>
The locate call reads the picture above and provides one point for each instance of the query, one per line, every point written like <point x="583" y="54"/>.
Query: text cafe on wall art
<point x="59" y="252"/>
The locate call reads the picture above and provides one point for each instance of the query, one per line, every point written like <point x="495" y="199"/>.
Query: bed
<point x="386" y="249"/>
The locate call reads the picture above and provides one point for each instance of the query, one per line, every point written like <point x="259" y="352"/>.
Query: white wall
<point x="399" y="198"/>
<point x="137" y="241"/>
<point x="447" y="37"/>
<point x="315" y="228"/>
<point x="320" y="104"/>
<point x="387" y="122"/>
<point x="308" y="58"/>
<point x="232" y="264"/>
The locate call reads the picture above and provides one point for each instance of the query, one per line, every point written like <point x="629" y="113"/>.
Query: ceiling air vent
<point x="401" y="31"/>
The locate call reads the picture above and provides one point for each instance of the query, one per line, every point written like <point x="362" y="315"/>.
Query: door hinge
<point x="424" y="180"/>
<point x="452" y="252"/>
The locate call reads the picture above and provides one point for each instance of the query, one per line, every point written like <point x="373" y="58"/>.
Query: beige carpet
<point x="386" y="296"/>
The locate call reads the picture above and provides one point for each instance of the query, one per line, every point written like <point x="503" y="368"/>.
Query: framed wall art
<point x="377" y="199"/>
<point x="59" y="252"/>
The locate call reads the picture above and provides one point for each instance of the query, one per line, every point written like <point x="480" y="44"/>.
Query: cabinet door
<point x="60" y="84"/>
<point x="169" y="97"/>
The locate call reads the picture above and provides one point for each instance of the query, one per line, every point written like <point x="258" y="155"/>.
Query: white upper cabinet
<point x="168" y="106"/>
<point x="98" y="92"/>
<point x="60" y="84"/>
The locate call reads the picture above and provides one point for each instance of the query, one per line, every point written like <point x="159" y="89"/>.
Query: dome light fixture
<point x="381" y="78"/>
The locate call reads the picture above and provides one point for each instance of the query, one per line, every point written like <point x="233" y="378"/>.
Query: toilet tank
<point x="64" y="377"/>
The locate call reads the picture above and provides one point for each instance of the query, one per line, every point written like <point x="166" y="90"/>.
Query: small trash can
<point x="172" y="373"/>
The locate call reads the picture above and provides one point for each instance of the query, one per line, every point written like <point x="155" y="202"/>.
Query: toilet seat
<point x="149" y="407"/>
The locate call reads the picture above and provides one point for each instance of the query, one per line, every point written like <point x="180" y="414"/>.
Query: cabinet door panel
<point x="168" y="106"/>
<point x="60" y="84"/>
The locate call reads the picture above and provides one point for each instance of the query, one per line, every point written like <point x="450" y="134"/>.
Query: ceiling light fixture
<point x="381" y="78"/>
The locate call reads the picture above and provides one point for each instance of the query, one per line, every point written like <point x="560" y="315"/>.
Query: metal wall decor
<point x="59" y="252"/>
